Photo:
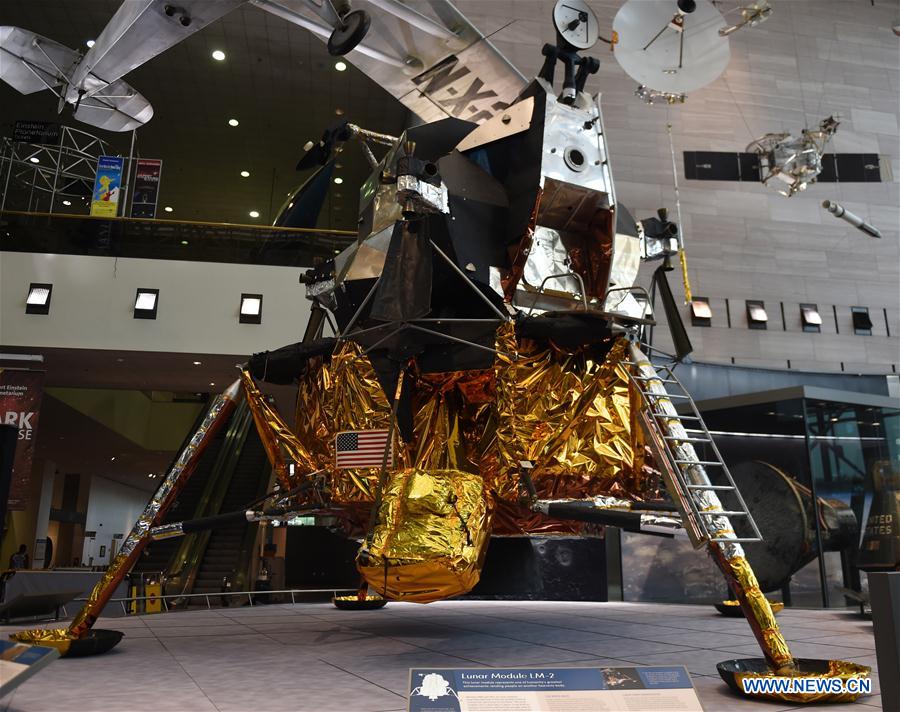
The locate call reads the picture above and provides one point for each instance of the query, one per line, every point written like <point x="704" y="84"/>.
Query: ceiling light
<point x="254" y="213"/>
<point x="338" y="180"/>
<point x="67" y="202"/>
<point x="339" y="112"/>
<point x="198" y="363"/>
<point x="340" y="66"/>
<point x="168" y="208"/>
<point x="146" y="303"/>
<point x="212" y="384"/>
<point x="90" y="43"/>
<point x="245" y="174"/>
<point x="251" y="309"/>
<point x="151" y="475"/>
<point x="38" y="299"/>
<point x="112" y="459"/>
<point x="34" y="159"/>
<point x="184" y="242"/>
<point x="233" y="122"/>
<point x="218" y="55"/>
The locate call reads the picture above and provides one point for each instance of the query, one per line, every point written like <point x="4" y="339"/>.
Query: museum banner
<point x="107" y="187"/>
<point x="146" y="187"/>
<point x="20" y="404"/>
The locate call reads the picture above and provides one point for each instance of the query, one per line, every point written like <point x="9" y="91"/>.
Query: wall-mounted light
<point x="251" y="309"/>
<point x="701" y="314"/>
<point x="38" y="299"/>
<point x="810" y="317"/>
<point x="756" y="314"/>
<point x="862" y="324"/>
<point x="146" y="303"/>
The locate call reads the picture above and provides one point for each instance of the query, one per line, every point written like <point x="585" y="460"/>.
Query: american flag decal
<point x="361" y="448"/>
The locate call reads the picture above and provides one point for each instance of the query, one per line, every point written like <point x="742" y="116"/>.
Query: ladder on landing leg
<point x="673" y="435"/>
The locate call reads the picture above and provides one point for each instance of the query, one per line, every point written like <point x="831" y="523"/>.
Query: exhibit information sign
<point x="636" y="689"/>
<point x="20" y="404"/>
<point x="107" y="186"/>
<point x="36" y="132"/>
<point x="18" y="662"/>
<point x="146" y="187"/>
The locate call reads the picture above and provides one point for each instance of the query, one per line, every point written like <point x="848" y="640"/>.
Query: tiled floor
<point x="313" y="658"/>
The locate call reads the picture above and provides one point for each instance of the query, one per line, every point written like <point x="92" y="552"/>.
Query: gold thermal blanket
<point x="431" y="537"/>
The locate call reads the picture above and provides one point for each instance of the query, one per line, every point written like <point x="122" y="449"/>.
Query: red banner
<point x="20" y="404"/>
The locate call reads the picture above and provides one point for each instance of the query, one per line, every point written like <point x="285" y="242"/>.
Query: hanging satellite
<point x="670" y="48"/>
<point x="794" y="162"/>
<point x="751" y="16"/>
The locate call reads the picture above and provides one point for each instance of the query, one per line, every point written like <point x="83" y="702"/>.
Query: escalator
<point x="157" y="556"/>
<point x="227" y="551"/>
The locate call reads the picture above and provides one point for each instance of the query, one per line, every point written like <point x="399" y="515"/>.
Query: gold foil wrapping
<point x="758" y="612"/>
<point x="571" y="412"/>
<point x="59" y="638"/>
<point x="431" y="537"/>
<point x="836" y="669"/>
<point x="573" y="416"/>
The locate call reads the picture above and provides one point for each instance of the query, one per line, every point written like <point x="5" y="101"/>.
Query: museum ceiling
<point x="277" y="80"/>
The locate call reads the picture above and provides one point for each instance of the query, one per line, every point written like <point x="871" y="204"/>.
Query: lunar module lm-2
<point x="487" y="375"/>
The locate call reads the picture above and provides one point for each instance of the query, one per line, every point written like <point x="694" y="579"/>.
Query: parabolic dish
<point x="705" y="53"/>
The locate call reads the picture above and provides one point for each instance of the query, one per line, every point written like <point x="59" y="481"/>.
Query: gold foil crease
<point x="776" y="606"/>
<point x="572" y="412"/>
<point x="59" y="638"/>
<point x="573" y="416"/>
<point x="836" y="669"/>
<point x="431" y="537"/>
<point x="770" y="637"/>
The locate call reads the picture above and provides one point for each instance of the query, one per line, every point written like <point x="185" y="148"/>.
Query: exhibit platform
<point x="311" y="657"/>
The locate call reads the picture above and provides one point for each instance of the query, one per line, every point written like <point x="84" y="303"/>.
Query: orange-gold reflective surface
<point x="574" y="417"/>
<point x="838" y="669"/>
<point x="59" y="638"/>
<point x="572" y="413"/>
<point x="431" y="537"/>
<point x="763" y="618"/>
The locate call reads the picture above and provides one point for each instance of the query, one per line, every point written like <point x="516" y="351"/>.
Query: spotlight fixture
<point x="254" y="213"/>
<point x="34" y="159"/>
<point x="245" y="174"/>
<point x="862" y="324"/>
<point x="90" y="43"/>
<point x="218" y="55"/>
<point x="233" y="122"/>
<point x="168" y="208"/>
<point x="184" y="242"/>
<point x="212" y="384"/>
<point x="251" y="309"/>
<point x="756" y="314"/>
<point x="67" y="202"/>
<point x="38" y="299"/>
<point x="198" y="363"/>
<point x="146" y="303"/>
<point x="338" y="180"/>
<point x="340" y="66"/>
<point x="810" y="318"/>
<point x="701" y="314"/>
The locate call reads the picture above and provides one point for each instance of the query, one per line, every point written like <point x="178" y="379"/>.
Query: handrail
<point x="249" y="594"/>
<point x="266" y="228"/>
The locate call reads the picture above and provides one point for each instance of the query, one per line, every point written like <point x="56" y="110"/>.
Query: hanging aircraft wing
<point x="425" y="53"/>
<point x="30" y="63"/>
<point x="140" y="30"/>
